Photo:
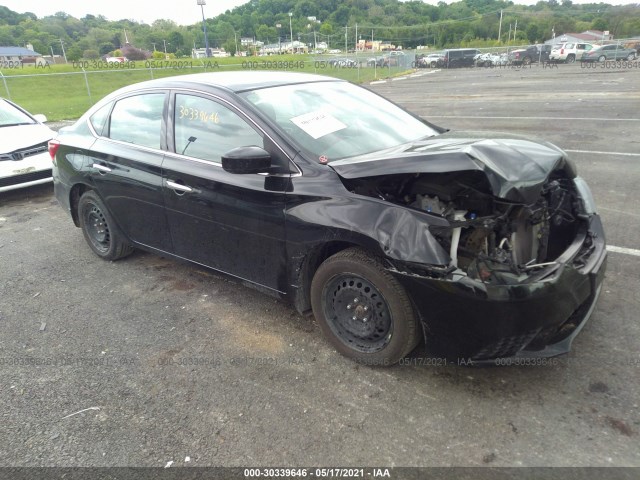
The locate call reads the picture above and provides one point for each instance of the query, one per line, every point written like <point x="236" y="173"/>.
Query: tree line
<point x="338" y="23"/>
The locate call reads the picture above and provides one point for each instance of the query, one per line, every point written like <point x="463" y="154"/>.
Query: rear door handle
<point x="101" y="168"/>
<point x="178" y="186"/>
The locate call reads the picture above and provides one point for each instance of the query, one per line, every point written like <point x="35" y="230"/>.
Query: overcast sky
<point x="183" y="12"/>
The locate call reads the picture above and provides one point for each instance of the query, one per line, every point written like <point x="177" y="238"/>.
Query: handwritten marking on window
<point x="193" y="114"/>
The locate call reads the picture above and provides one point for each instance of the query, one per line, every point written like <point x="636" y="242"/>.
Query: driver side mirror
<point x="244" y="160"/>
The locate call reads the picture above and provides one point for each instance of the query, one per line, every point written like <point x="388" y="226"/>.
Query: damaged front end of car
<point x="523" y="248"/>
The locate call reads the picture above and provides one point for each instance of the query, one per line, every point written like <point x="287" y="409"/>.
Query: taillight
<point x="561" y="51"/>
<point x="53" y="148"/>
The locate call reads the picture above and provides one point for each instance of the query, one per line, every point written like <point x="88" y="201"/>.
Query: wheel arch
<point x="74" y="197"/>
<point x="310" y="264"/>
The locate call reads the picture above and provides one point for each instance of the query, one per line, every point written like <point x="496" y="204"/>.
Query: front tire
<point x="602" y="58"/>
<point x="363" y="310"/>
<point x="99" y="229"/>
<point x="630" y="57"/>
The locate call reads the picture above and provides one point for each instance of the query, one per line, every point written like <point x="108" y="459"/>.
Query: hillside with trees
<point x="411" y="23"/>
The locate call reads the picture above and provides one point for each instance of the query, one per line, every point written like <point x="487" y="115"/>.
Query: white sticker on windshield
<point x="318" y="123"/>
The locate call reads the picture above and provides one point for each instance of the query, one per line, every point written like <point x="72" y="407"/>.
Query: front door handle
<point x="101" y="168"/>
<point x="180" y="187"/>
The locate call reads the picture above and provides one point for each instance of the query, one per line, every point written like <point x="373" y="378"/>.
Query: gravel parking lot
<point x="147" y="360"/>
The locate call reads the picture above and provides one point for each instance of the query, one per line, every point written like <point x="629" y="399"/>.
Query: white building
<point x="215" y="52"/>
<point x="284" y="47"/>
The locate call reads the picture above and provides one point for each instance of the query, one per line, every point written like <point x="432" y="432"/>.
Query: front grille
<point x="505" y="347"/>
<point x="25" y="177"/>
<point x="25" y="152"/>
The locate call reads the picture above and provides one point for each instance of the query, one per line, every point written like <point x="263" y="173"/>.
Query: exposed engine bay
<point x="489" y="239"/>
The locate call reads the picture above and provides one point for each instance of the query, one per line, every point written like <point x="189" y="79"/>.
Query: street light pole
<point x="202" y="3"/>
<point x="291" y="31"/>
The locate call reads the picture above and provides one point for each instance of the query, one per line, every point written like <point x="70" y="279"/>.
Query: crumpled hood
<point x="516" y="166"/>
<point x="19" y="137"/>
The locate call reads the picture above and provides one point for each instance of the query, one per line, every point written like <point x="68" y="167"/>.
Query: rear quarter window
<point x="99" y="119"/>
<point x="138" y="119"/>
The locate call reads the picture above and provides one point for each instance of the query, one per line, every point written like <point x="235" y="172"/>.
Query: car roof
<point x="237" y="81"/>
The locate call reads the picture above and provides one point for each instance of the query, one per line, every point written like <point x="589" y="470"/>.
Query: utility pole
<point x="346" y="29"/>
<point x="500" y="27"/>
<point x="291" y="30"/>
<point x="64" y="54"/>
<point x="515" y="30"/>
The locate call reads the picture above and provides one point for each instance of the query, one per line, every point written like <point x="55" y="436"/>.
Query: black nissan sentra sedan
<point x="389" y="229"/>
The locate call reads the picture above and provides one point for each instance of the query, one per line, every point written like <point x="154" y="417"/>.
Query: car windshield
<point x="10" y="115"/>
<point x="336" y="120"/>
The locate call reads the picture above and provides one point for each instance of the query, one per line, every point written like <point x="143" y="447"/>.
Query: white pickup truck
<point x="569" y="52"/>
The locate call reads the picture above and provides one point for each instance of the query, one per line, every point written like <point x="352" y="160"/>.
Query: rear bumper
<point x="538" y="318"/>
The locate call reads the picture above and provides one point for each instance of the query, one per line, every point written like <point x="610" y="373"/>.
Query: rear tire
<point x="363" y="311"/>
<point x="631" y="56"/>
<point x="99" y="229"/>
<point x="571" y="59"/>
<point x="526" y="61"/>
<point x="602" y="58"/>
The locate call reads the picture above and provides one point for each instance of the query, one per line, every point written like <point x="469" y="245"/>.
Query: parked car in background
<point x="387" y="228"/>
<point x="431" y="60"/>
<point x="389" y="60"/>
<point x="394" y="58"/>
<point x="491" y="59"/>
<point x="24" y="157"/>
<point x="530" y="54"/>
<point x="459" y="57"/>
<point x="343" y="63"/>
<point x="569" y="52"/>
<point x="614" y="51"/>
<point x="375" y="61"/>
